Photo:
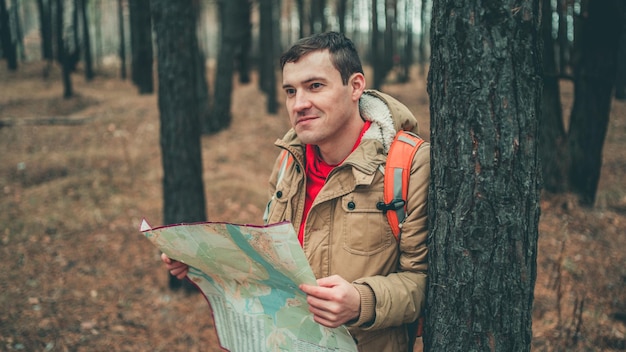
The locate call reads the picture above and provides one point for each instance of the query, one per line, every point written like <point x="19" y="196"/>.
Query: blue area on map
<point x="281" y="285"/>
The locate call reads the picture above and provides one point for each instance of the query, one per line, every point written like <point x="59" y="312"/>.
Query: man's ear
<point x="357" y="82"/>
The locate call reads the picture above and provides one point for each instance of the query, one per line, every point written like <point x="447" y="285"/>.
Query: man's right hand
<point x="175" y="268"/>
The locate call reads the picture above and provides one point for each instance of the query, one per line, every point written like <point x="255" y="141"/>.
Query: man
<point x="368" y="280"/>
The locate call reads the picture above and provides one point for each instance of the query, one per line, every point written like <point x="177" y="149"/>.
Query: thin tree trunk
<point x="225" y="64"/>
<point x="302" y="19"/>
<point x="9" y="50"/>
<point x="268" y="61"/>
<point x="75" y="37"/>
<point x="407" y="54"/>
<point x="376" y="58"/>
<point x="141" y="45"/>
<point x="561" y="9"/>
<point x="552" y="132"/>
<point x="594" y="80"/>
<point x="318" y="20"/>
<point x="66" y="41"/>
<point x="122" y="49"/>
<point x="98" y="31"/>
<point x="45" y="29"/>
<point x="389" y="43"/>
<point x="19" y="33"/>
<point x="423" y="37"/>
<point x="620" y="77"/>
<point x="58" y="30"/>
<point x="341" y="15"/>
<point x="89" y="74"/>
<point x="245" y="40"/>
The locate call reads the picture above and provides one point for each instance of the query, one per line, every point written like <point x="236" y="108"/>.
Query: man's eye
<point x="316" y="85"/>
<point x="290" y="92"/>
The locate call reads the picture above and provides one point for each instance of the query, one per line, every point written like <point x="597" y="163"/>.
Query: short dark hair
<point x="343" y="54"/>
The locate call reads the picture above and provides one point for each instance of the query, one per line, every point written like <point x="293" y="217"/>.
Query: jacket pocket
<point x="279" y="207"/>
<point x="365" y="228"/>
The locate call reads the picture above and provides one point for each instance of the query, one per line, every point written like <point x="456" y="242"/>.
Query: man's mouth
<point x="305" y="119"/>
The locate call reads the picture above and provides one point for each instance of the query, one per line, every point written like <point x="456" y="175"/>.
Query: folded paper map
<point x="250" y="277"/>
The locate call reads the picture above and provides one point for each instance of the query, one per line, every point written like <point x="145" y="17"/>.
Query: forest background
<point x="79" y="172"/>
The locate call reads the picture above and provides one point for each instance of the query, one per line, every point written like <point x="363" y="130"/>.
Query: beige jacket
<point x="345" y="234"/>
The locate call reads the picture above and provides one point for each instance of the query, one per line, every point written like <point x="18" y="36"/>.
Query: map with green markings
<point x="250" y="277"/>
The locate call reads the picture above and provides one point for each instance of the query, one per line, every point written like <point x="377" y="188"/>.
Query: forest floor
<point x="79" y="276"/>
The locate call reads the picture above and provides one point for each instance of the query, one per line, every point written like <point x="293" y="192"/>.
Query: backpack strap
<point x="286" y="159"/>
<point x="396" y="184"/>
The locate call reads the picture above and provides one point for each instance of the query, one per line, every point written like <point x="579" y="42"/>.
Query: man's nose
<point x="301" y="101"/>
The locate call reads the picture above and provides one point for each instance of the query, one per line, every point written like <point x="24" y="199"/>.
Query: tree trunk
<point x="122" y="50"/>
<point x="181" y="152"/>
<point x="141" y="45"/>
<point x="98" y="31"/>
<point x="183" y="190"/>
<point x="244" y="27"/>
<point x="552" y="132"/>
<point x="267" y="56"/>
<point x="485" y="97"/>
<point x="9" y="50"/>
<point x="318" y="20"/>
<point x="208" y="124"/>
<point x="17" y="27"/>
<point x="620" y="77"/>
<point x="45" y="29"/>
<point x="407" y="52"/>
<point x="86" y="42"/>
<point x="302" y="25"/>
<point x="594" y="80"/>
<point x="58" y="30"/>
<point x="341" y="15"/>
<point x="377" y="61"/>
<point x="423" y="37"/>
<point x="74" y="54"/>
<point x="65" y="42"/>
<point x="561" y="9"/>
<point x="389" y="43"/>
<point x="225" y="64"/>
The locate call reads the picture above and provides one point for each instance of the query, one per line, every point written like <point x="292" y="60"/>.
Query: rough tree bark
<point x="485" y="97"/>
<point x="177" y="47"/>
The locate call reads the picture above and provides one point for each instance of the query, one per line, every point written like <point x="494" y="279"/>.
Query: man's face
<point x="318" y="103"/>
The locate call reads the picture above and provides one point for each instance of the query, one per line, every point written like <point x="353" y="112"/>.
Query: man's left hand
<point x="334" y="302"/>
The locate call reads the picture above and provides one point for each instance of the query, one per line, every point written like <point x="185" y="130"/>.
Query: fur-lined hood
<point x="387" y="116"/>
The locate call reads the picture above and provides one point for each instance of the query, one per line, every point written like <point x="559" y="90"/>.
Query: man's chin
<point x="306" y="137"/>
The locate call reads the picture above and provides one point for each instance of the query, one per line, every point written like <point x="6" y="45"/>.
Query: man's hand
<point x="176" y="268"/>
<point x="334" y="302"/>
